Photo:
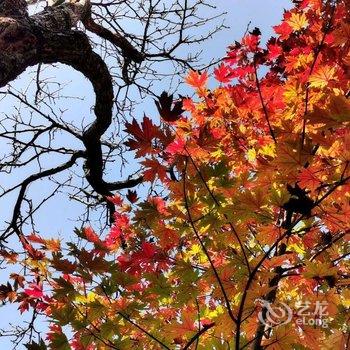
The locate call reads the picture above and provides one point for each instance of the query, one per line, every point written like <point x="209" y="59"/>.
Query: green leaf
<point x="108" y="329"/>
<point x="59" y="342"/>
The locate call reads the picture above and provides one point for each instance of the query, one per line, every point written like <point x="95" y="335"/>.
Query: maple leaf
<point x="196" y="79"/>
<point x="35" y="254"/>
<point x="268" y="234"/>
<point x="342" y="34"/>
<point x="52" y="245"/>
<point x="177" y="147"/>
<point x="298" y="21"/>
<point x="274" y="50"/>
<point x="132" y="196"/>
<point x="277" y="261"/>
<point x="92" y="261"/>
<point x="312" y="337"/>
<point x="35" y="238"/>
<point x="34" y="291"/>
<point x="113" y="238"/>
<point x="252" y="40"/>
<point x="58" y="340"/>
<point x="6" y="292"/>
<point x="63" y="265"/>
<point x="290" y="158"/>
<point x="317" y="269"/>
<point x="242" y="72"/>
<point x="10" y="257"/>
<point x="153" y="170"/>
<point x="222" y="73"/>
<point x="322" y="77"/>
<point x="185" y="328"/>
<point x="145" y="259"/>
<point x="165" y="107"/>
<point x="143" y="136"/>
<point x="116" y="200"/>
<point x="23" y="306"/>
<point x="91" y="235"/>
<point x="336" y="111"/>
<point x="308" y="179"/>
<point x="282" y="339"/>
<point x="336" y="340"/>
<point x="148" y="250"/>
<point x="18" y="279"/>
<point x="159" y="204"/>
<point x="283" y="30"/>
<point x="168" y="238"/>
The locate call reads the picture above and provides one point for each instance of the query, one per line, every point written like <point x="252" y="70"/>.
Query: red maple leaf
<point x="251" y="41"/>
<point x="176" y="147"/>
<point x="153" y="169"/>
<point x="35" y="238"/>
<point x="91" y="235"/>
<point x="222" y="73"/>
<point x="283" y="30"/>
<point x="34" y="291"/>
<point x="148" y="250"/>
<point x="113" y="236"/>
<point x="160" y="205"/>
<point x="116" y="200"/>
<point x="132" y="196"/>
<point x="143" y="136"/>
<point x="35" y="254"/>
<point x="274" y="50"/>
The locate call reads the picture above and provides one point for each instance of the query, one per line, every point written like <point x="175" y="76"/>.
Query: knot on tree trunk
<point x="58" y="18"/>
<point x="76" y="10"/>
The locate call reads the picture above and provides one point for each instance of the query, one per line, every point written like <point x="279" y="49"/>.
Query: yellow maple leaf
<point x="85" y="299"/>
<point x="346" y="298"/>
<point x="319" y="269"/>
<point x="298" y="21"/>
<point x="279" y="196"/>
<point x="251" y="155"/>
<point x="322" y="77"/>
<point x="268" y="150"/>
<point x="292" y="93"/>
<point x="53" y="245"/>
<point x="290" y="158"/>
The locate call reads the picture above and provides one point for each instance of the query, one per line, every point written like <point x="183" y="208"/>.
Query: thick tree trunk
<point x="24" y="40"/>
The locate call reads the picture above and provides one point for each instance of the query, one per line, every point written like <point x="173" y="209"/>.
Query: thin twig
<point x="227" y="302"/>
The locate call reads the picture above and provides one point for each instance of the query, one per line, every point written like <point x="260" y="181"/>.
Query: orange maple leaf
<point x="197" y="79"/>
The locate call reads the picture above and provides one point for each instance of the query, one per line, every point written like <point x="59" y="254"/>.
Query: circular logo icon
<point x="274" y="315"/>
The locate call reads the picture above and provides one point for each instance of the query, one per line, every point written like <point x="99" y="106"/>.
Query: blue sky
<point x="59" y="215"/>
